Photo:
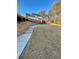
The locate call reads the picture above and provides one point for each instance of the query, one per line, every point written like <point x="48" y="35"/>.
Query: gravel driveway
<point x="45" y="43"/>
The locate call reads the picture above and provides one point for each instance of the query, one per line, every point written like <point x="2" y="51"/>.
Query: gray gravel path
<point x="45" y="43"/>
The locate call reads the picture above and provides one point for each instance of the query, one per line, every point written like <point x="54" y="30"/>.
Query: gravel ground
<point x="22" y="27"/>
<point x="45" y="43"/>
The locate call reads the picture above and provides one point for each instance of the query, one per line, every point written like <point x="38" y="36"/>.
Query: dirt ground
<point x="45" y="43"/>
<point x="22" y="27"/>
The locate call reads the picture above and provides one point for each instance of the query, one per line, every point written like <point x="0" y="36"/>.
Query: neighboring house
<point x="51" y="18"/>
<point x="34" y="16"/>
<point x="38" y="17"/>
<point x="46" y="17"/>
